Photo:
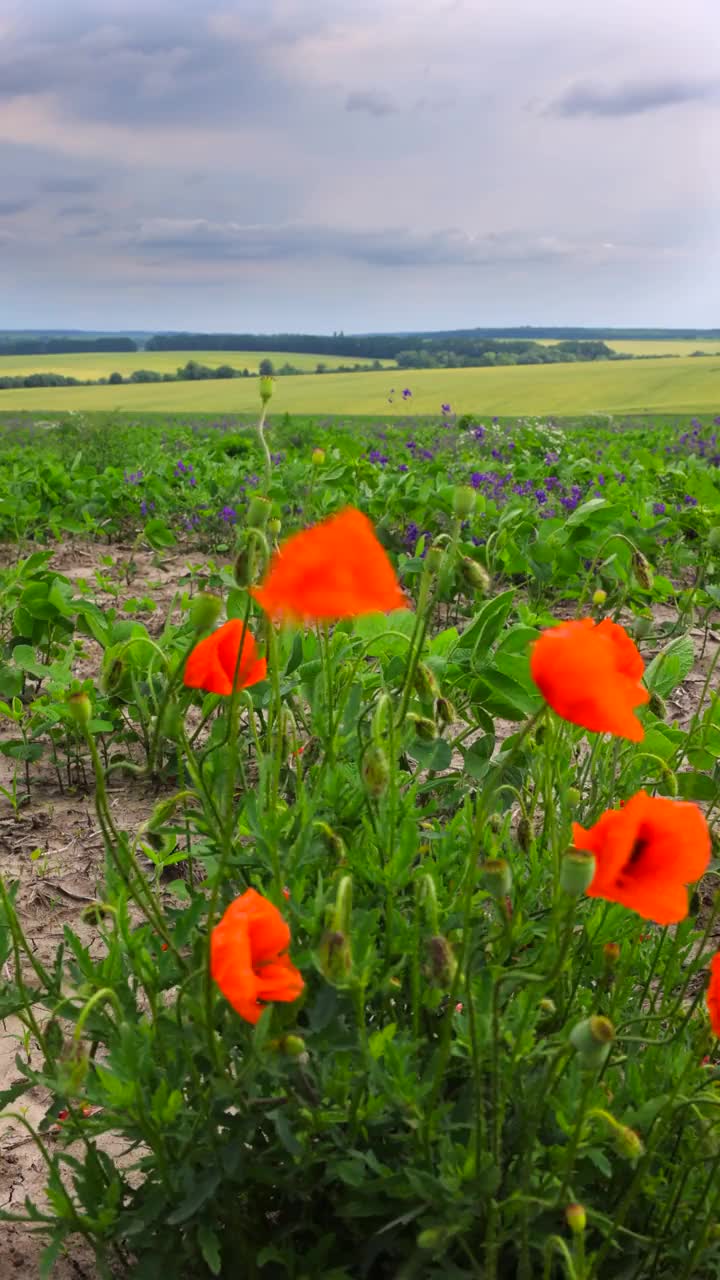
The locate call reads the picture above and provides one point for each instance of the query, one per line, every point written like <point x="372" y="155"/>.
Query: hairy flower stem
<point x="267" y="460"/>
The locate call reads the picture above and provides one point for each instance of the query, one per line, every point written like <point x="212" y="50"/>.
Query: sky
<point x="364" y="165"/>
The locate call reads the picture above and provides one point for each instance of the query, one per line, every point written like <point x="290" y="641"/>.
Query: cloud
<point x="76" y="211"/>
<point x="183" y="240"/>
<point x="373" y="104"/>
<point x="630" y="98"/>
<point x="70" y="186"/>
<point x="9" y="207"/>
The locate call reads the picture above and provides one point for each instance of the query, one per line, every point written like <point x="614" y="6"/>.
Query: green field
<point x="652" y="386"/>
<point x="102" y="363"/>
<point x="657" y="346"/>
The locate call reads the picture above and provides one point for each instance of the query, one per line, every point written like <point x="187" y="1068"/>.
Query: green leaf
<point x="432" y="755"/>
<point x="583" y="513"/>
<point x="696" y="786"/>
<point x="671" y="666"/>
<point x="476" y="756"/>
<point x="285" y="1133"/>
<point x="158" y="534"/>
<point x="199" y="1194"/>
<point x="502" y="696"/>
<point x="209" y="1248"/>
<point x="19" y="750"/>
<point x="487" y="625"/>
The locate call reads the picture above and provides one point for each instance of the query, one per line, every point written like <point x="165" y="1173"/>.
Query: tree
<point x="115" y="378"/>
<point x="266" y="368"/>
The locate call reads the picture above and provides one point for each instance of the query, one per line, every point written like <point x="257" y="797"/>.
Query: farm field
<point x="657" y="346"/>
<point x="92" y="365"/>
<point x="359" y="901"/>
<point x="683" y="385"/>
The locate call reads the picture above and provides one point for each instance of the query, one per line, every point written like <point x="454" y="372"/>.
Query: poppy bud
<point x="464" y="499"/>
<point x="496" y="877"/>
<point x="629" y="1144"/>
<point x="291" y="1046"/>
<point x="162" y="813"/>
<point x="547" y="1007"/>
<point x="335" y="957"/>
<point x="444" y="712"/>
<point x="611" y="954"/>
<point x="274" y="526"/>
<point x="112" y="677"/>
<point x="657" y="705"/>
<point x="435" y="558"/>
<point x="317" y="457"/>
<point x="80" y="709"/>
<point x="713" y="539"/>
<point x="267" y="386"/>
<point x="72" y="1066"/>
<point x="204" y="611"/>
<point x="335" y="843"/>
<point x="375" y="770"/>
<point x="573" y="797"/>
<point x="95" y="912"/>
<point x="427" y="897"/>
<point x="343" y="905"/>
<point x="433" y="1238"/>
<point x="443" y="965"/>
<point x="474" y="575"/>
<point x="524" y="833"/>
<point x="641" y="569"/>
<point x="244" y="567"/>
<point x="425" y="683"/>
<point x="258" y="512"/>
<point x="576" y="1218"/>
<point x="382" y="717"/>
<point x="425" y="728"/>
<point x="495" y="823"/>
<point x="576" y="872"/>
<point x="592" y="1039"/>
<point x="642" y="628"/>
<point x="599" y="596"/>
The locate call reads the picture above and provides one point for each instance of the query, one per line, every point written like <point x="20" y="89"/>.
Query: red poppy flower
<point x="213" y="662"/>
<point x="337" y="569"/>
<point x="646" y="854"/>
<point x="590" y="674"/>
<point x="712" y="995"/>
<point x="247" y="956"/>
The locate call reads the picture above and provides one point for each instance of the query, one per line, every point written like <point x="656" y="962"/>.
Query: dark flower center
<point x="636" y="852"/>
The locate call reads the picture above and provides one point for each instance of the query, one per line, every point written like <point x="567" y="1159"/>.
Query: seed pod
<point x="375" y="770"/>
<point x="576" y="872"/>
<point x="244" y="567"/>
<point x="274" y="526"/>
<point x="443" y="965"/>
<point x="382" y="717"/>
<point x="474" y="575"/>
<point x="599" y="596"/>
<point x="267" y="386"/>
<point x="641" y="569"/>
<point x="592" y="1039"/>
<point x="464" y="499"/>
<point x="317" y="457"/>
<point x="291" y="1046"/>
<point x="573" y="797"/>
<point x="496" y="877"/>
<point x="205" y="611"/>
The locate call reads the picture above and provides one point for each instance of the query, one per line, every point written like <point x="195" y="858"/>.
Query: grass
<point x="683" y="385"/>
<point x="102" y="363"/>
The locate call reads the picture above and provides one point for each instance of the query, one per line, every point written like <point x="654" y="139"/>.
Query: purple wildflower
<point x="658" y="508"/>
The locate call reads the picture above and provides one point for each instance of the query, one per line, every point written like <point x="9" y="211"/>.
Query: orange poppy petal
<point x="337" y="569"/>
<point x="589" y="674"/>
<point x="211" y="665"/>
<point x="279" y="980"/>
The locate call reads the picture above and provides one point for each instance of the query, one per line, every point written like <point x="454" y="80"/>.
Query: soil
<point x="53" y="848"/>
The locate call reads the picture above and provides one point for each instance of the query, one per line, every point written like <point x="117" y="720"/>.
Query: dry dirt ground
<point x="53" y="848"/>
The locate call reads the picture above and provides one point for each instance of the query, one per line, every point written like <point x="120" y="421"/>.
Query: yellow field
<point x="101" y="364"/>
<point x="648" y="386"/>
<point x="656" y="346"/>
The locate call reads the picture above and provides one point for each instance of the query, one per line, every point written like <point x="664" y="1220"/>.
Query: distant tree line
<point x="63" y="346"/>
<point x="193" y="371"/>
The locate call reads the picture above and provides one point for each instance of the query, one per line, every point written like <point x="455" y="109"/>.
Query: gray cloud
<point x="630" y="99"/>
<point x="373" y="104"/>
<point x="76" y="211"/>
<point x="201" y="241"/>
<point x="70" y="186"/>
<point x="10" y="207"/>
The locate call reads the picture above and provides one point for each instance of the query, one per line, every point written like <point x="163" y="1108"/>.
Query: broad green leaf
<point x="671" y="666"/>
